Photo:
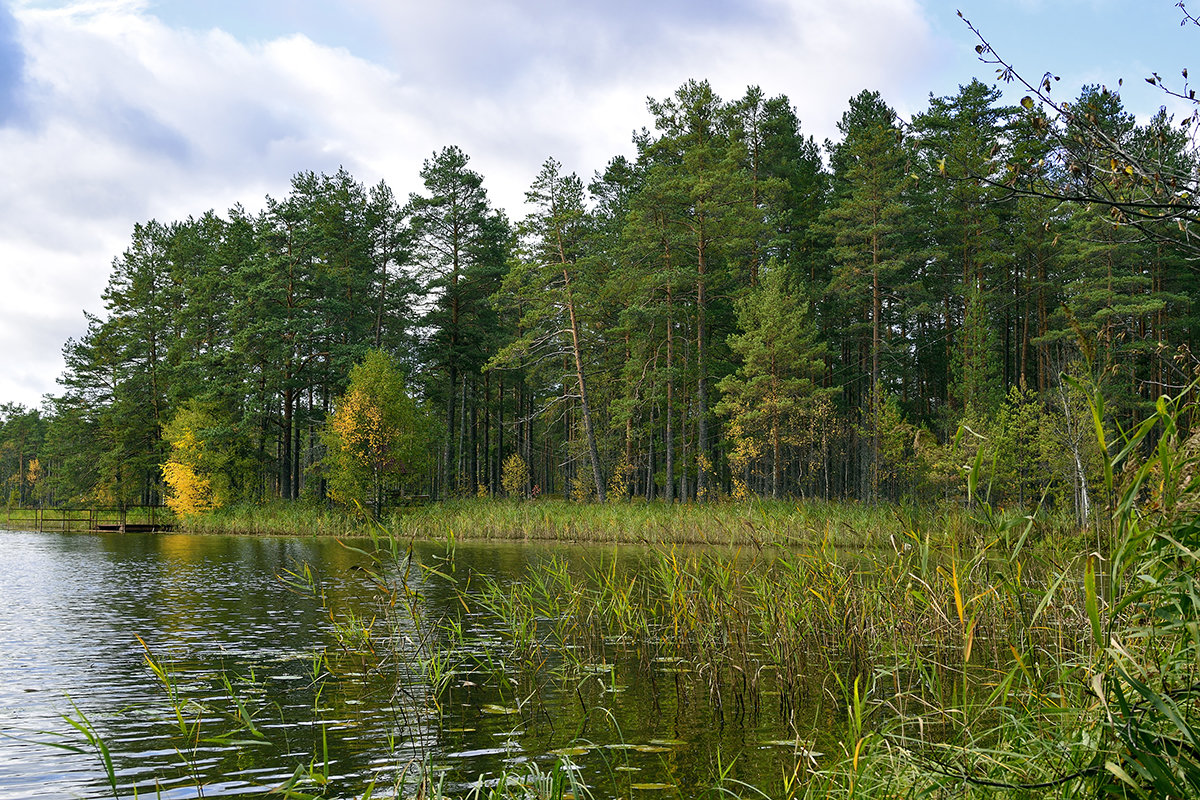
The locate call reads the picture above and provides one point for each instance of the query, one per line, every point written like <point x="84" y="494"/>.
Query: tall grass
<point x="1117" y="711"/>
<point x="754" y="525"/>
<point x="280" y="518"/>
<point x="961" y="659"/>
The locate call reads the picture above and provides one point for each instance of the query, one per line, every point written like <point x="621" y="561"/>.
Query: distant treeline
<point x="737" y="311"/>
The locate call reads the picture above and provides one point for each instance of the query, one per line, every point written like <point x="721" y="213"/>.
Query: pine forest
<point x="739" y="311"/>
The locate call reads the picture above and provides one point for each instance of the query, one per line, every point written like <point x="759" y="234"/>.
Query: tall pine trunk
<point x="702" y="433"/>
<point x="593" y="452"/>
<point x="669" y="433"/>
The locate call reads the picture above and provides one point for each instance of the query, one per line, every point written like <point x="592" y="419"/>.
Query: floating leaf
<point x="571" y="751"/>
<point x="492" y="708"/>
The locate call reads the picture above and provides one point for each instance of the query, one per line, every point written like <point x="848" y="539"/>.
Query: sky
<point x="115" y="112"/>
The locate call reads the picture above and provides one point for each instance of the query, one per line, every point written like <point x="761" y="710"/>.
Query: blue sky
<point x="113" y="112"/>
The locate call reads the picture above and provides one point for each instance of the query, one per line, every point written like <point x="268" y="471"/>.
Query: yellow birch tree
<point x="378" y="439"/>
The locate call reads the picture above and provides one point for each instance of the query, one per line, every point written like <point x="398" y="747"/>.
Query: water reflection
<point x="264" y="678"/>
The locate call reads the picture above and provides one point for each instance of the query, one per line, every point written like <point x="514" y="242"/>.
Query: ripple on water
<point x="75" y="610"/>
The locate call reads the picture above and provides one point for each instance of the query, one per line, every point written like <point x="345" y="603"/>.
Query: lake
<point x="291" y="659"/>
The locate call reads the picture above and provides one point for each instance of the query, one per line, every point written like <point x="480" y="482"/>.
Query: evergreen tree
<point x="547" y="285"/>
<point x="22" y="432"/>
<point x="769" y="395"/>
<point x="697" y="170"/>
<point x="460" y="247"/>
<point x="968" y="268"/>
<point x="789" y="185"/>
<point x="867" y="220"/>
<point x="119" y="376"/>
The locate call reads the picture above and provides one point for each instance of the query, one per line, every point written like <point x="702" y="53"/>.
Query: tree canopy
<point x="733" y="311"/>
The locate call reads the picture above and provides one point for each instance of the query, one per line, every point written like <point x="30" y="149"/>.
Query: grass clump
<point x="280" y="518"/>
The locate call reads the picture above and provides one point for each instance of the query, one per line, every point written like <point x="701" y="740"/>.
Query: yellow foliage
<point x="359" y="433"/>
<point x="618" y="482"/>
<point x="747" y="447"/>
<point x="515" y="475"/>
<point x="379" y="440"/>
<point x="190" y="488"/>
<point x="709" y="492"/>
<point x="359" y="426"/>
<point x="188" y="491"/>
<point x="583" y="488"/>
<point x="740" y="491"/>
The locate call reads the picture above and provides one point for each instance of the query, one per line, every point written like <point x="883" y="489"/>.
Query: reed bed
<point x="934" y="634"/>
<point x="279" y="519"/>
<point x="920" y="653"/>
<point x="755" y="524"/>
<point x="964" y="654"/>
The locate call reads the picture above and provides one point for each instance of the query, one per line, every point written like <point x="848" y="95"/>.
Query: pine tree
<point x="867" y="220"/>
<point x="967" y="271"/>
<point x="548" y="283"/>
<point x="707" y="199"/>
<point x="460" y="247"/>
<point x="769" y="395"/>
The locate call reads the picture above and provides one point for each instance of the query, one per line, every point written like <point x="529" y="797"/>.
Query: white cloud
<point x="128" y="119"/>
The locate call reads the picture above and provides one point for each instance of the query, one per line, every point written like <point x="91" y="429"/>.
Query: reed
<point x="754" y="524"/>
<point x="279" y="518"/>
<point x="974" y="653"/>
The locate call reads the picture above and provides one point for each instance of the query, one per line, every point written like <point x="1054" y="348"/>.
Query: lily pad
<point x="571" y="751"/>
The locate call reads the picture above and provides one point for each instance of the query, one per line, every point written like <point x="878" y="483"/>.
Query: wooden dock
<point x="95" y="520"/>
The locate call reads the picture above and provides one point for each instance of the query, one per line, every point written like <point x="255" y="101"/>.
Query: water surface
<point x="266" y="678"/>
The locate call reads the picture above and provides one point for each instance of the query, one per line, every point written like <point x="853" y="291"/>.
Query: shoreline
<point x="761" y="524"/>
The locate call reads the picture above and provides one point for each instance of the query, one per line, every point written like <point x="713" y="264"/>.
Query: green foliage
<point x="1148" y="666"/>
<point x="868" y="222"/>
<point x="772" y="395"/>
<point x="22" y="433"/>
<point x="198" y="472"/>
<point x="460" y="250"/>
<point x="378" y="439"/>
<point x="544" y="288"/>
<point x="907" y="290"/>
